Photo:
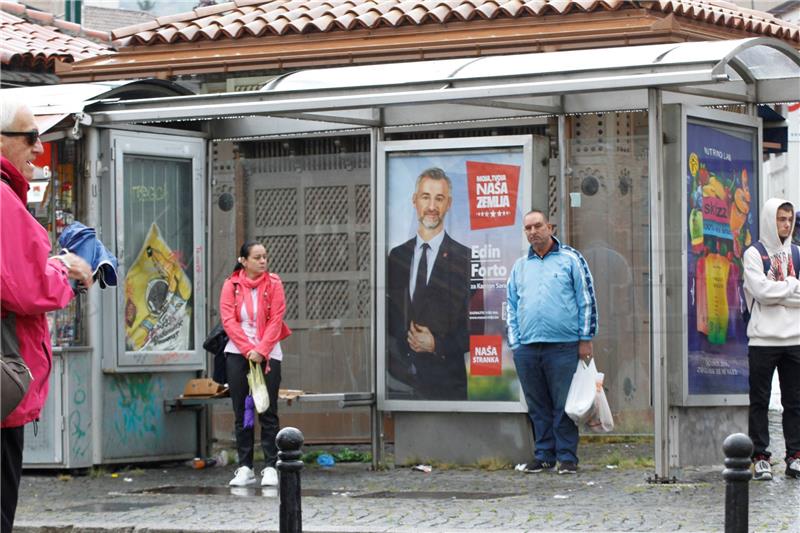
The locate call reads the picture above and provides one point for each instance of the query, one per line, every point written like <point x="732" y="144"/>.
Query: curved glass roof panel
<point x="369" y="75"/>
<point x="766" y="58"/>
<point x="768" y="63"/>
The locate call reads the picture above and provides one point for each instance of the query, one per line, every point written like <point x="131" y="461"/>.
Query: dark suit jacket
<point x="443" y="307"/>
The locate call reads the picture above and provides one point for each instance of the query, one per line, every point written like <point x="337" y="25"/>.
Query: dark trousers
<point x="12" y="443"/>
<point x="237" y="367"/>
<point x="763" y="362"/>
<point x="545" y="372"/>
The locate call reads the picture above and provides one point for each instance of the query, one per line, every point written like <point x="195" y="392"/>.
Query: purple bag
<point x="249" y="412"/>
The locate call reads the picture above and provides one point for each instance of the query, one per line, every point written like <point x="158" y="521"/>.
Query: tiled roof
<point x="36" y="40"/>
<point x="107" y="19"/>
<point x="256" y="18"/>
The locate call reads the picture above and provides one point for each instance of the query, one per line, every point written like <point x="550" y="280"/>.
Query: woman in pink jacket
<point x="30" y="285"/>
<point x="252" y="305"/>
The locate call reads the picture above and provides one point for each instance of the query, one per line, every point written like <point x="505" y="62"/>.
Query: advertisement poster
<point x="722" y="194"/>
<point x="157" y="293"/>
<point x="445" y="301"/>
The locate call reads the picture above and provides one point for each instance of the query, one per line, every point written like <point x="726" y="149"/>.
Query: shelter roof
<point x="274" y="36"/>
<point x="36" y="40"/>
<point x="522" y="87"/>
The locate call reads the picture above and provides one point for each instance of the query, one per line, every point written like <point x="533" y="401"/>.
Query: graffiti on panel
<point x="138" y="413"/>
<point x="79" y="428"/>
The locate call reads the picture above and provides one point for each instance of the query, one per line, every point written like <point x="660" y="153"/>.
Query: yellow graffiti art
<point x="157" y="293"/>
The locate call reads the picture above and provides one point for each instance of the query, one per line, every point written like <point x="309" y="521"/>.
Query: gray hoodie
<point x="775" y="312"/>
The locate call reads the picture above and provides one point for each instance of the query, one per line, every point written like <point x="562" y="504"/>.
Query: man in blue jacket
<point x="552" y="317"/>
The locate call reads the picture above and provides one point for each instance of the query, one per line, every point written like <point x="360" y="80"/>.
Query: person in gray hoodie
<point x="774" y="331"/>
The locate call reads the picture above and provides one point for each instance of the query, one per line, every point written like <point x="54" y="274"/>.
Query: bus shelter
<point x="623" y="147"/>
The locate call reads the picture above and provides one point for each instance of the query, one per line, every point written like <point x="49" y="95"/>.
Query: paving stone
<point x="348" y="500"/>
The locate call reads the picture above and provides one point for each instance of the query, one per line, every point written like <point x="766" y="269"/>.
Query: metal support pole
<point x="375" y="414"/>
<point x="289" y="441"/>
<point x="563" y="189"/>
<point x="658" y="296"/>
<point x="737" y="448"/>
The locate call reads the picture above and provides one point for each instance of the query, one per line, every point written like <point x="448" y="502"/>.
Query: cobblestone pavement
<point x="350" y="498"/>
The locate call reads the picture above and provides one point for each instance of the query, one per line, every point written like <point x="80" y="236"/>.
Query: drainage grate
<point x="430" y="495"/>
<point x="113" y="507"/>
<point x="272" y="492"/>
<point x="268" y="492"/>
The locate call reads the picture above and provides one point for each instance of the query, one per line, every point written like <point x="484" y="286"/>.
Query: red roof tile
<point x="299" y="16"/>
<point x="35" y="39"/>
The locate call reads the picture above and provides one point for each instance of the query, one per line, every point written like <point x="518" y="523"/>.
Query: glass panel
<point x="157" y="226"/>
<point x="54" y="200"/>
<point x="308" y="202"/>
<point x="609" y="223"/>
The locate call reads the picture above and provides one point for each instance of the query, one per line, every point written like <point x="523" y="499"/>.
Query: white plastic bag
<point x="258" y="388"/>
<point x="601" y="419"/>
<point x="582" y="390"/>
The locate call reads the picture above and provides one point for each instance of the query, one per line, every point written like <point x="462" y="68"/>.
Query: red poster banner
<point x="485" y="355"/>
<point x="492" y="194"/>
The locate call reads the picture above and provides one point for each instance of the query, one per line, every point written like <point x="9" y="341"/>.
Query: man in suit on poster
<point x="428" y="295"/>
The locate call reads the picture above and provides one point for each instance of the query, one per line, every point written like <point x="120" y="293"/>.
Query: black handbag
<point x="216" y="340"/>
<point x="215" y="343"/>
<point x="15" y="376"/>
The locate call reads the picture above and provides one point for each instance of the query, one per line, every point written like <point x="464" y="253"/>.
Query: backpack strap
<point x="762" y="250"/>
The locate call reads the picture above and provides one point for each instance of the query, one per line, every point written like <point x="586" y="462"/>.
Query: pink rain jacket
<point x="270" y="327"/>
<point x="30" y="285"/>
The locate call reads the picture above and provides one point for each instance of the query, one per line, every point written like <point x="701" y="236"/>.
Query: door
<point x="154" y="209"/>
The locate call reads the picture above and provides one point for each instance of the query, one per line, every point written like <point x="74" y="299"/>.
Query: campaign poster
<point x="722" y="215"/>
<point x="445" y="301"/>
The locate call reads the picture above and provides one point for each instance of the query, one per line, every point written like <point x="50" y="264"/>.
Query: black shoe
<point x="762" y="470"/>
<point x="537" y="466"/>
<point x="793" y="466"/>
<point x="567" y="467"/>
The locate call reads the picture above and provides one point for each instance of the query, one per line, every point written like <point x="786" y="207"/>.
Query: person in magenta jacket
<point x="31" y="284"/>
<point x="252" y="305"/>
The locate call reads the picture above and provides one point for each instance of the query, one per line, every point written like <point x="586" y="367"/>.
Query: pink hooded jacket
<point x="30" y="285"/>
<point x="269" y="326"/>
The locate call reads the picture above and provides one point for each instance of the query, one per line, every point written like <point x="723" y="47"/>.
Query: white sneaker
<point x="242" y="477"/>
<point x="269" y="477"/>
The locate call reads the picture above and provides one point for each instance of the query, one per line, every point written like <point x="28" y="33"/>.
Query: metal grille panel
<point x="363" y="298"/>
<point x="276" y="207"/>
<point x="363" y="203"/>
<point x="326" y="205"/>
<point x="290" y="289"/>
<point x="281" y="252"/>
<point x="552" y="193"/>
<point x="362" y="251"/>
<point x="327" y="300"/>
<point x="327" y="252"/>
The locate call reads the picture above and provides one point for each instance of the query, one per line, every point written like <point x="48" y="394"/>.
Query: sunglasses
<point x="31" y="137"/>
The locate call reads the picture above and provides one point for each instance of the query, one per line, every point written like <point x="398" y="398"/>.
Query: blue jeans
<point x="545" y="371"/>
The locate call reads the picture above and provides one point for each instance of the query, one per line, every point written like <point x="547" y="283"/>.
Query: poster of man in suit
<point x="450" y="241"/>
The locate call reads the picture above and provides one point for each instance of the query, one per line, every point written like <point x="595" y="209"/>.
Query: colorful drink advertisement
<point x="722" y="211"/>
<point x="453" y="232"/>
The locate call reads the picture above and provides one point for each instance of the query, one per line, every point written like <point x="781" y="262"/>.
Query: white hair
<point x="9" y="109"/>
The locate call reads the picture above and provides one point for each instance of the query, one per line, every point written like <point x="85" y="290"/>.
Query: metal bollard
<point x="289" y="441"/>
<point x="738" y="449"/>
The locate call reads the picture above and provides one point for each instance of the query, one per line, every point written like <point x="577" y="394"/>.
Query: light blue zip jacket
<point x="551" y="299"/>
